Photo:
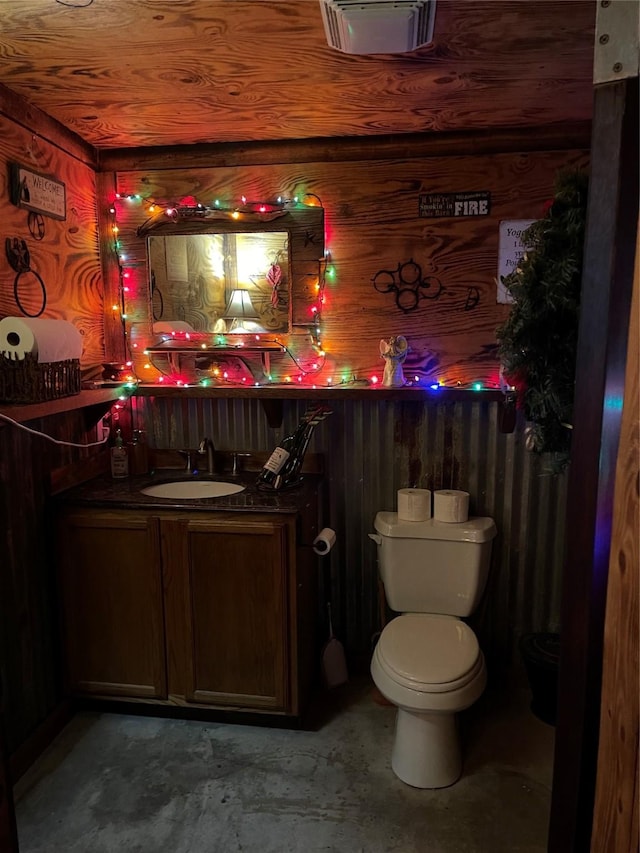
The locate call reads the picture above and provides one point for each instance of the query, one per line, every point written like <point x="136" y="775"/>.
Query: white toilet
<point x="427" y="661"/>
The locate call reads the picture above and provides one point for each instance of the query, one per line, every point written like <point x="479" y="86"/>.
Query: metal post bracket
<point x="616" y="52"/>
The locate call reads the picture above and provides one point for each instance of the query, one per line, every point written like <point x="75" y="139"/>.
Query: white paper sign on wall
<point x="510" y="251"/>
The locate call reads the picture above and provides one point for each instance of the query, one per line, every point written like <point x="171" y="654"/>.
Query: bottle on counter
<point x="139" y="453"/>
<point x="119" y="458"/>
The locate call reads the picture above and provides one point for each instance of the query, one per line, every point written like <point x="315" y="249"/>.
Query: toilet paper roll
<point x="414" y="504"/>
<point x="450" y="505"/>
<point x="324" y="541"/>
<point x="49" y="340"/>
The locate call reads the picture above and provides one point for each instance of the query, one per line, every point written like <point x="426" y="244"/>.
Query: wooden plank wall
<point x="616" y="824"/>
<point x="372" y="224"/>
<point x="66" y="258"/>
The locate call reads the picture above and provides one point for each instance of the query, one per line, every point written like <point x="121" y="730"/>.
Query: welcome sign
<point x="40" y="193"/>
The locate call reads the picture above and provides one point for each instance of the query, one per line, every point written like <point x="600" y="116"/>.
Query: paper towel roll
<point x="414" y="504"/>
<point x="49" y="340"/>
<point x="450" y="505"/>
<point x="324" y="541"/>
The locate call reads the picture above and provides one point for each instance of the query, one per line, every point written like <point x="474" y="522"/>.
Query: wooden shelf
<point x="272" y="396"/>
<point x="22" y="412"/>
<point x="337" y="392"/>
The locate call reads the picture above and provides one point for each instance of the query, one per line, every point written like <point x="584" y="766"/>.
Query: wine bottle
<point x="274" y="464"/>
<point x="290" y="473"/>
<point x="282" y="469"/>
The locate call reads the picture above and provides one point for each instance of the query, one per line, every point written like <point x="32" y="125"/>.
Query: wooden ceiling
<point x="131" y="73"/>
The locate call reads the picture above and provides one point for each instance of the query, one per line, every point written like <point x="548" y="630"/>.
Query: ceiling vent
<point x="378" y="26"/>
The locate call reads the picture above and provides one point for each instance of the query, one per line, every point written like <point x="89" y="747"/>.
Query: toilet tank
<point x="432" y="566"/>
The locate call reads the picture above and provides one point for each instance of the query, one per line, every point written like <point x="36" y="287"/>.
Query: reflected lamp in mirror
<point x="241" y="315"/>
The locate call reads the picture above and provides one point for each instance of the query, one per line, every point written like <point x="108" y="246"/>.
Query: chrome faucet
<point x="207" y="446"/>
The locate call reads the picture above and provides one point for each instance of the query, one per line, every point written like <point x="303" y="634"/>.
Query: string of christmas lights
<point x="189" y="208"/>
<point x="123" y="289"/>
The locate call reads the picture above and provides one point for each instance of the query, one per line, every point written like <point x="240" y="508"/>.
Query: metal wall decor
<point x="35" y="221"/>
<point x="20" y="261"/>
<point x="473" y="297"/>
<point x="409" y="285"/>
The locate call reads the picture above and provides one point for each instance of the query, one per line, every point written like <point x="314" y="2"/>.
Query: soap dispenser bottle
<point x="119" y="458"/>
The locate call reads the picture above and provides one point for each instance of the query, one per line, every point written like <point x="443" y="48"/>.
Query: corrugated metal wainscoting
<point x="373" y="448"/>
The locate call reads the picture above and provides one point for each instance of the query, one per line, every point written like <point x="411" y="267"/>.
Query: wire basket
<point x="29" y="381"/>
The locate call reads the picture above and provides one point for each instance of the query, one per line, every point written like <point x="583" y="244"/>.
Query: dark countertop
<point x="105" y="492"/>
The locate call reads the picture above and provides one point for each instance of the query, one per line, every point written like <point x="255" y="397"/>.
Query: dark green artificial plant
<point x="537" y="343"/>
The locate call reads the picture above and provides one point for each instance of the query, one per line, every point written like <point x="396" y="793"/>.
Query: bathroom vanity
<point x="209" y="603"/>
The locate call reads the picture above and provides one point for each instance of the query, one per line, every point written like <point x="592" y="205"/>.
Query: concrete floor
<point x="125" y="784"/>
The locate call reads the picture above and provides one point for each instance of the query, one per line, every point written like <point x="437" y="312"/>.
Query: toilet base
<point x="426" y="749"/>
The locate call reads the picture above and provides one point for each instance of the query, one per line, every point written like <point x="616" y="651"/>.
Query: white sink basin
<point x="192" y="489"/>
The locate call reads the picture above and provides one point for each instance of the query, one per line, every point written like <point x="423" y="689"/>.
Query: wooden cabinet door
<point x="237" y="636"/>
<point x="112" y="608"/>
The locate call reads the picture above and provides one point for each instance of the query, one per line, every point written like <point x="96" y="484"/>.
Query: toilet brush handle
<point x="330" y="622"/>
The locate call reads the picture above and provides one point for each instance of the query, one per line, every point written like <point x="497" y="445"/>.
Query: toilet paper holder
<point x="324" y="541"/>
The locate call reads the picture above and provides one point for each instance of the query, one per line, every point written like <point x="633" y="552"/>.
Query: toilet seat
<point x="460" y="682"/>
<point x="429" y="653"/>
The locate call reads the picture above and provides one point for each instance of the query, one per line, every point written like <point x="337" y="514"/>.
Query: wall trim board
<point x="557" y="137"/>
<point x="36" y="121"/>
<point x="372" y="393"/>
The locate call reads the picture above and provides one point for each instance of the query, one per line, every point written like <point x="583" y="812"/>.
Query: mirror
<point x="229" y="283"/>
<point x="235" y="272"/>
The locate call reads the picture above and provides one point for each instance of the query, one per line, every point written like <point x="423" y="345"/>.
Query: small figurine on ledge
<point x="394" y="351"/>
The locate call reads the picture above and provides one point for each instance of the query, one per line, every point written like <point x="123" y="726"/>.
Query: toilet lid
<point x="428" y="652"/>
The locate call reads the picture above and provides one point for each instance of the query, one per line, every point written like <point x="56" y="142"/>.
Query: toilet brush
<point x="334" y="664"/>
